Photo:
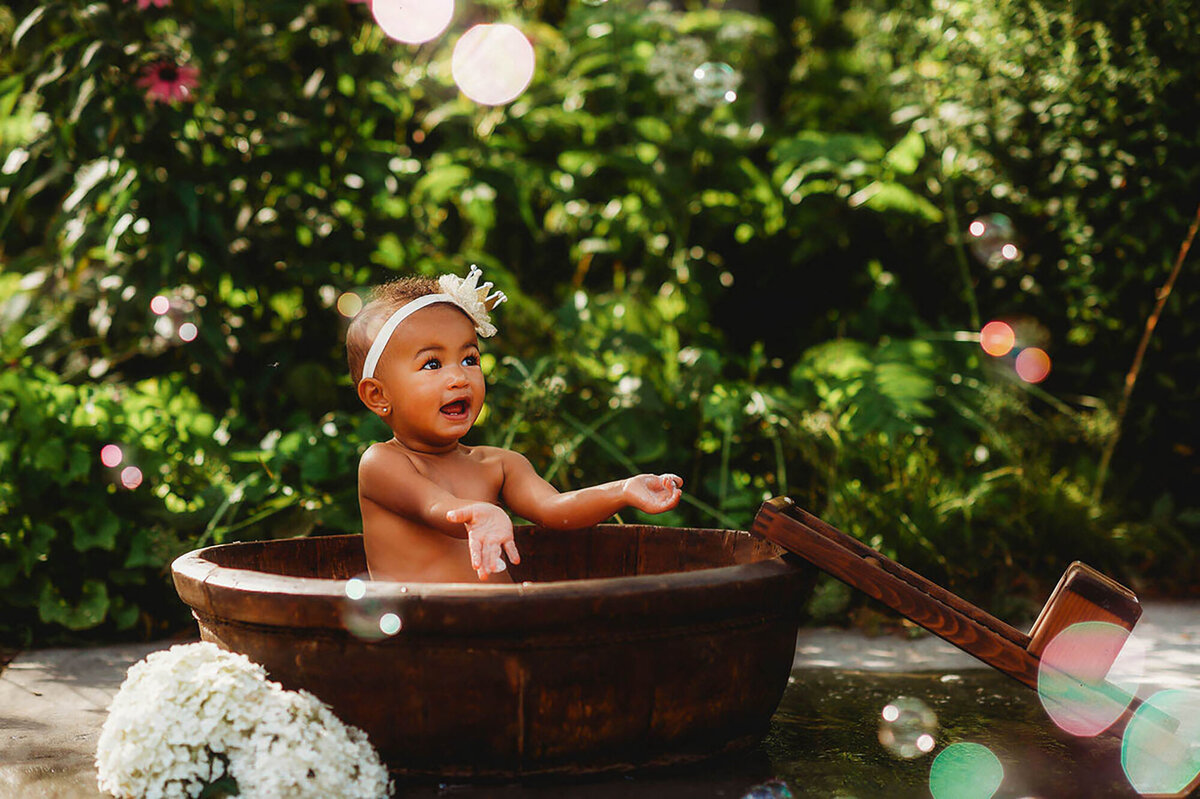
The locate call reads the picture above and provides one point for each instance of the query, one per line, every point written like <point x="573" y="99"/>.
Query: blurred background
<point x="895" y="259"/>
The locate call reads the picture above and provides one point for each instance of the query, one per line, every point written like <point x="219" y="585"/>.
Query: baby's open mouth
<point x="456" y="409"/>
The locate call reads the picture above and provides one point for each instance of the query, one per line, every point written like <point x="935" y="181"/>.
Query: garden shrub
<point x="86" y="546"/>
<point x="768" y="295"/>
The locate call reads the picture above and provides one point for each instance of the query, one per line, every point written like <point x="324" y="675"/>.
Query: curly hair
<point x="383" y="302"/>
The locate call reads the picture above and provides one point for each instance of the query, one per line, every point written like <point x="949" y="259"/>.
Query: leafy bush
<point x="81" y="550"/>
<point x="768" y="295"/>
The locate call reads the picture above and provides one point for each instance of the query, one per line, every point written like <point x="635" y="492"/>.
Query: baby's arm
<point x="389" y="479"/>
<point x="531" y="497"/>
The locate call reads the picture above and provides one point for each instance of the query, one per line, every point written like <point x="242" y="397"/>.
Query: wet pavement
<point x="823" y="742"/>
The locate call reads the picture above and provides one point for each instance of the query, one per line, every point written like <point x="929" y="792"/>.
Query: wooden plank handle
<point x="937" y="610"/>
<point x="917" y="581"/>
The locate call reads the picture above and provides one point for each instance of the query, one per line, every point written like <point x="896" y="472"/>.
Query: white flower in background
<point x="626" y="395"/>
<point x="191" y="715"/>
<point x="673" y="68"/>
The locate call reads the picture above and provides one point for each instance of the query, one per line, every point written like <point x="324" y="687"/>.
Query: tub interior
<point x="546" y="555"/>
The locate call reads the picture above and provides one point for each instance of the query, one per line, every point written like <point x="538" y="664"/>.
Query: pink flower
<point x="144" y="4"/>
<point x="166" y="81"/>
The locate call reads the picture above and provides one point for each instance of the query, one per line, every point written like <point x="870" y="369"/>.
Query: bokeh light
<point x="1032" y="365"/>
<point x="160" y="304"/>
<point x="492" y="64"/>
<point x="389" y="624"/>
<point x="1160" y="749"/>
<point x="413" y="21"/>
<point x="965" y="771"/>
<point x="907" y="727"/>
<point x="992" y="240"/>
<point x="716" y="82"/>
<point x="188" y="331"/>
<point x="131" y="477"/>
<point x="997" y="338"/>
<point x="111" y="455"/>
<point x="370" y="612"/>
<point x="771" y="789"/>
<point x="349" y="304"/>
<point x="1088" y="675"/>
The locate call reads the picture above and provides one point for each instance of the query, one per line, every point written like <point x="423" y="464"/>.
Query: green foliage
<point x="1074" y="120"/>
<point x="80" y="551"/>
<point x="770" y="295"/>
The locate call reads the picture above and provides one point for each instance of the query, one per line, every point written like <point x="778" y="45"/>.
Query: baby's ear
<point x="372" y="394"/>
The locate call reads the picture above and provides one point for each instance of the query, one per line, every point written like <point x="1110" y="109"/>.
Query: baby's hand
<point x="488" y="530"/>
<point x="653" y="493"/>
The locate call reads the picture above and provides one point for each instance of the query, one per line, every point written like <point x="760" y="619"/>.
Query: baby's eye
<point x="432" y="363"/>
<point x="470" y="360"/>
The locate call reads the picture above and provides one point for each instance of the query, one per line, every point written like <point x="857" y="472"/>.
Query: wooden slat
<point x="937" y="610"/>
<point x="899" y="571"/>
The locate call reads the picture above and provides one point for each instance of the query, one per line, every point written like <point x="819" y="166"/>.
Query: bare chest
<point x="464" y="476"/>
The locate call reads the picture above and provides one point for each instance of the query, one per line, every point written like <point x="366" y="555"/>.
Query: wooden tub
<point x="626" y="646"/>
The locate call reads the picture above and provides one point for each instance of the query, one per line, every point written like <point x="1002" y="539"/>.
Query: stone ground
<point x="53" y="701"/>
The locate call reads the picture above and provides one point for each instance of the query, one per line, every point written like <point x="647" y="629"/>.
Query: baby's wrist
<point x="624" y="493"/>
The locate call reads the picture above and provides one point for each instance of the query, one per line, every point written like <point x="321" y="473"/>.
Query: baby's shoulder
<point x="383" y="455"/>
<point x="504" y="459"/>
<point x="491" y="455"/>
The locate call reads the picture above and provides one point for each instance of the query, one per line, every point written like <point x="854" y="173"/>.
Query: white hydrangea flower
<point x="191" y="715"/>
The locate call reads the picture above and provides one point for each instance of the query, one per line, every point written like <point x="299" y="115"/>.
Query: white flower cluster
<point x="194" y="714"/>
<point x="673" y="66"/>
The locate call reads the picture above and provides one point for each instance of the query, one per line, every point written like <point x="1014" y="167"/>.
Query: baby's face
<point x="431" y="373"/>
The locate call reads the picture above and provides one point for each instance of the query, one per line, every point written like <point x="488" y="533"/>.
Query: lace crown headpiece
<point x="463" y="292"/>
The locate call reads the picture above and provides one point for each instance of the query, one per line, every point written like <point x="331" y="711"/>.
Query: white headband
<point x="464" y="293"/>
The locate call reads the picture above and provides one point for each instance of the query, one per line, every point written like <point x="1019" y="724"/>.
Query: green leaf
<point x="884" y="196"/>
<point x="51" y="456"/>
<point x="93" y="533"/>
<point x="907" y="154"/>
<point x="88" y="612"/>
<point x="653" y="129"/>
<point x="440" y="182"/>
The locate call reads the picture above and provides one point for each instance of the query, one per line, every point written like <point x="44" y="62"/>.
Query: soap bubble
<point x="111" y="455"/>
<point x="188" y="331"/>
<point x="771" y="789"/>
<point x="965" y="771"/>
<point x="131" y="477"/>
<point x="907" y="727"/>
<point x="1032" y="365"/>
<point x="716" y="82"/>
<point x="413" y="21"/>
<point x="492" y="64"/>
<point x="160" y="304"/>
<point x="349" y="304"/>
<point x="369" y="611"/>
<point x="997" y="338"/>
<point x="1160" y="749"/>
<point x="991" y="240"/>
<point x="1088" y="675"/>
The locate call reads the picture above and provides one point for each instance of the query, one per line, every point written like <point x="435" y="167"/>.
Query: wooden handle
<point x="934" y="608"/>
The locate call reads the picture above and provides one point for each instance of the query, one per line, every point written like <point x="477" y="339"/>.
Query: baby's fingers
<point x="672" y="481"/>
<point x="476" y="553"/>
<point x="510" y="547"/>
